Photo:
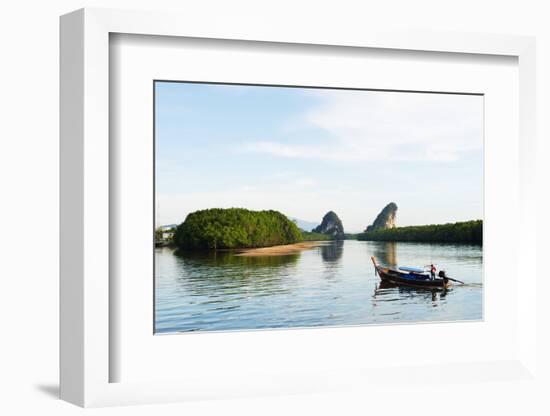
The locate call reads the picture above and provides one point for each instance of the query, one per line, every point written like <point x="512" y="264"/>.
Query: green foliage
<point x="158" y="235"/>
<point x="164" y="236"/>
<point x="350" y="236"/>
<point x="311" y="236"/>
<point x="460" y="232"/>
<point x="214" y="229"/>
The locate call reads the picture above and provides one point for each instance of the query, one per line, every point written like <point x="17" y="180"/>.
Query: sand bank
<point x="281" y="250"/>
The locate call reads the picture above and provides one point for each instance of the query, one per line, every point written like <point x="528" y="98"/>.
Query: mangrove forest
<point x="469" y="232"/>
<point x="231" y="228"/>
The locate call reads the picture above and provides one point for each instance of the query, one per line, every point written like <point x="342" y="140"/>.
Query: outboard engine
<point x="442" y="274"/>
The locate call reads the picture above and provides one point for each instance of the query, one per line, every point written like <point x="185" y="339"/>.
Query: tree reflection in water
<point x="223" y="273"/>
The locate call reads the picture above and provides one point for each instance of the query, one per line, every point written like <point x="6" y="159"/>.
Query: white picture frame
<point x="86" y="264"/>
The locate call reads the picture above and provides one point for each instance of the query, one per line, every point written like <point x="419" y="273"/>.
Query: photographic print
<point x="300" y="207"/>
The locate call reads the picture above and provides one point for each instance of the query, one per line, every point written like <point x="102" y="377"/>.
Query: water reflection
<point x="332" y="252"/>
<point x="384" y="252"/>
<point x="331" y="256"/>
<point x="385" y="290"/>
<point x="225" y="258"/>
<point x="333" y="284"/>
<point x="227" y="276"/>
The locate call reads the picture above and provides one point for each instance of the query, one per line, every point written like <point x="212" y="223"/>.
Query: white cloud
<point x="386" y="126"/>
<point x="304" y="182"/>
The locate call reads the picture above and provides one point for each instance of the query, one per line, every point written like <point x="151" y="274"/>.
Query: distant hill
<point x="386" y="219"/>
<point x="331" y="225"/>
<point x="304" y="225"/>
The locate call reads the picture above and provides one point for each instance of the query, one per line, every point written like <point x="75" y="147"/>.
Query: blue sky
<point x="307" y="151"/>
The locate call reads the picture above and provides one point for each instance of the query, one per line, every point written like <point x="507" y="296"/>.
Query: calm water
<point x="330" y="285"/>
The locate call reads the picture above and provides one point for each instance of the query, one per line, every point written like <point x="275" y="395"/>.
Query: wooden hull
<point x="400" y="279"/>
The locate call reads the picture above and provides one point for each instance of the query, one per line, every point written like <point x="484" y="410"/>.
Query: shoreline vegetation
<point x="311" y="236"/>
<point x="467" y="232"/>
<point x="271" y="233"/>
<point x="235" y="228"/>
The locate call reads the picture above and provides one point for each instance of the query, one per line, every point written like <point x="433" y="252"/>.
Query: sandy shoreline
<point x="281" y="250"/>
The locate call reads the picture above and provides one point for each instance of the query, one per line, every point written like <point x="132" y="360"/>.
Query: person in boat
<point x="432" y="271"/>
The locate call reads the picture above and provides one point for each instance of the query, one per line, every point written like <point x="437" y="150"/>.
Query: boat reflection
<point x="386" y="289"/>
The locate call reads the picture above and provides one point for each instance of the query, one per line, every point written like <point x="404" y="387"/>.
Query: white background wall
<point x="29" y="56"/>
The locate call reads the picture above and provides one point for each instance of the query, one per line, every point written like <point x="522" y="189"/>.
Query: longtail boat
<point x="412" y="277"/>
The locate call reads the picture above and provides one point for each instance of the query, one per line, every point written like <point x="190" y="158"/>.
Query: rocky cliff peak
<point x="331" y="225"/>
<point x="386" y="218"/>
